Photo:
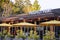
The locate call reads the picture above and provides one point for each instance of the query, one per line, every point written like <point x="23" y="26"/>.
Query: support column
<point x="9" y="29"/>
<point x="12" y="22"/>
<point x="35" y="27"/>
<point x="15" y="31"/>
<point x="52" y="32"/>
<point x="46" y="29"/>
<point x="17" y="21"/>
<point x="38" y="19"/>
<point x="21" y="28"/>
<point x="58" y="19"/>
<point x="51" y="28"/>
<point x="24" y="20"/>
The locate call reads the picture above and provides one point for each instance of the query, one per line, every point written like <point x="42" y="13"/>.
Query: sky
<point x="47" y="4"/>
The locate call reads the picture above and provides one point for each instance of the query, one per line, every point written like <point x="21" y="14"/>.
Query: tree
<point x="27" y="6"/>
<point x="4" y="1"/>
<point x="14" y="9"/>
<point x="19" y="6"/>
<point x="1" y="9"/>
<point x="7" y="8"/>
<point x="36" y="6"/>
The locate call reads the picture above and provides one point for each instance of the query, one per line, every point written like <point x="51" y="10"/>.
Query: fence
<point x="29" y="33"/>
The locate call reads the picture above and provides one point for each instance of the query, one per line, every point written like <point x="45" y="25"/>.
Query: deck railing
<point x="28" y="33"/>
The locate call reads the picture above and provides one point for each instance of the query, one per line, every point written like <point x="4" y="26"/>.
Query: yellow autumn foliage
<point x="31" y="7"/>
<point x="27" y="9"/>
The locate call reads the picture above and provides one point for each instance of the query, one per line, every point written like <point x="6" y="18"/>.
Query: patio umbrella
<point x="49" y="23"/>
<point x="25" y="24"/>
<point x="5" y="25"/>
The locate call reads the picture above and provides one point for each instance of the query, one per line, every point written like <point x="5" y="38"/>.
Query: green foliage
<point x="6" y="6"/>
<point x="36" y="6"/>
<point x="49" y="35"/>
<point x="3" y="34"/>
<point x="20" y="34"/>
<point x="1" y="9"/>
<point x="21" y="6"/>
<point x="33" y="35"/>
<point x="5" y="31"/>
<point x="14" y="9"/>
<point x="9" y="35"/>
<point x="0" y="34"/>
<point x="27" y="6"/>
<point x="36" y="37"/>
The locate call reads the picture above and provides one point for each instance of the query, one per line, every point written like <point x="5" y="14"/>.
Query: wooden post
<point x="9" y="29"/>
<point x="58" y="19"/>
<point x="24" y="20"/>
<point x="11" y="22"/>
<point x="27" y="29"/>
<point x="46" y="29"/>
<point x="51" y="28"/>
<point x="24" y="29"/>
<point x="38" y="19"/>
<point x="43" y="32"/>
<point x="15" y="31"/>
<point x="35" y="27"/>
<point x="17" y="21"/>
<point x="21" y="28"/>
<point x="51" y="31"/>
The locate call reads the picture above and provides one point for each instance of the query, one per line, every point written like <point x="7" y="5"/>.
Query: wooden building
<point x="33" y="17"/>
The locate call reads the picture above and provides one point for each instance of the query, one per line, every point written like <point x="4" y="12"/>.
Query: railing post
<point x="51" y="28"/>
<point x="24" y="29"/>
<point x="35" y="27"/>
<point x="9" y="29"/>
<point x="24" y="20"/>
<point x="21" y="28"/>
<point x="58" y="19"/>
<point x="43" y="32"/>
<point x="46" y="29"/>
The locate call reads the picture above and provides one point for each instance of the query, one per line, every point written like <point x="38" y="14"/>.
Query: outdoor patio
<point x="29" y="31"/>
<point x="37" y="25"/>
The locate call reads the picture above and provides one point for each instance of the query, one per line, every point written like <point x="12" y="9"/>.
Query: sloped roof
<point x="36" y="14"/>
